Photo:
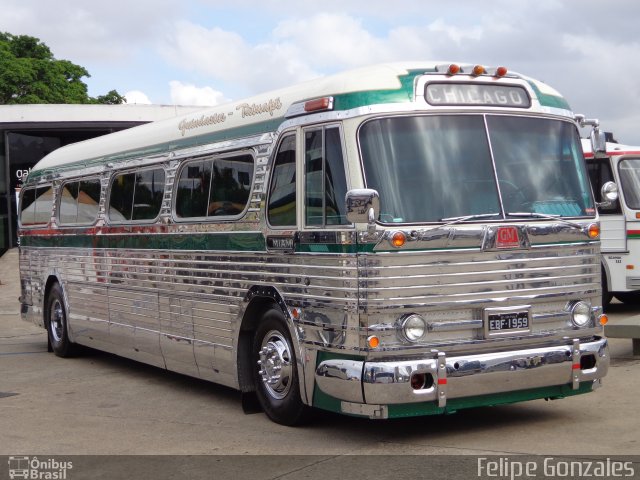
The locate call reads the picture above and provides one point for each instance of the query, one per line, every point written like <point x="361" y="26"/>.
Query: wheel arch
<point x="259" y="300"/>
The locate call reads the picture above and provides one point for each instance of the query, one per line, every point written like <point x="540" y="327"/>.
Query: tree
<point x="29" y="73"/>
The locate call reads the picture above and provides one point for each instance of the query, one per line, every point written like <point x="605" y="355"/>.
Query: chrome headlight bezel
<point x="412" y="327"/>
<point x="581" y="314"/>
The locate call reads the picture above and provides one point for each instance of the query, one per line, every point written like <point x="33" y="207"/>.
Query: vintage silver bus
<point x="398" y="240"/>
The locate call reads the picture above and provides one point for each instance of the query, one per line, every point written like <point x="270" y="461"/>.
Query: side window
<point x="136" y="195"/>
<point x="35" y="206"/>
<point x="88" y="200"/>
<point x="600" y="173"/>
<point x="230" y="185"/>
<point x="217" y="187"/>
<point x="68" y="207"/>
<point x="192" y="197"/>
<point x="325" y="181"/>
<point x="629" y="171"/>
<point x="281" y="209"/>
<point x="28" y="206"/>
<point x="79" y="202"/>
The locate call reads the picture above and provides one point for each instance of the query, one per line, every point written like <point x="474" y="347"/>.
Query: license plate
<point x="508" y="322"/>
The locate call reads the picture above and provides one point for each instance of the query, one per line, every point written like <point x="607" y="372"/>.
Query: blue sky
<point x="210" y="51"/>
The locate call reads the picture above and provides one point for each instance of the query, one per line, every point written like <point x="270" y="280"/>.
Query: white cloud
<point x="137" y="97"/>
<point x="187" y="94"/>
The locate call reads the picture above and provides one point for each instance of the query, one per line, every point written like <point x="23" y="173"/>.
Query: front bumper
<point x="389" y="382"/>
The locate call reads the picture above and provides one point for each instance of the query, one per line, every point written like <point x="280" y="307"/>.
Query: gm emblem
<point x="507" y="237"/>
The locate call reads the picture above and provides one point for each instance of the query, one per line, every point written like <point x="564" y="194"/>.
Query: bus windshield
<point x="438" y="167"/>
<point x="630" y="182"/>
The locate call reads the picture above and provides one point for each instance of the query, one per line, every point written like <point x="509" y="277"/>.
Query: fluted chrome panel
<point x="450" y="289"/>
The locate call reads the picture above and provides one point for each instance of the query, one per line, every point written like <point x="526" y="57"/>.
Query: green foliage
<point x="29" y="73"/>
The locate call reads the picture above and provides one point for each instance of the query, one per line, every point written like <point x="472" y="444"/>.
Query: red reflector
<point x="318" y="104"/>
<point x="442" y="381"/>
<point x="575" y="366"/>
<point x="507" y="237"/>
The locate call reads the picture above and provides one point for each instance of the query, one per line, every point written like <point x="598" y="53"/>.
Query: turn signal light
<point x="398" y="239"/>
<point x="594" y="230"/>
<point x="603" y="319"/>
<point x="373" y="341"/>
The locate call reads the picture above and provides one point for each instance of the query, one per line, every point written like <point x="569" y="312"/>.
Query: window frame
<point x="283" y="136"/>
<point x="23" y="191"/>
<point x="110" y="191"/>
<point x="323" y="128"/>
<point x="212" y="158"/>
<point x="77" y="180"/>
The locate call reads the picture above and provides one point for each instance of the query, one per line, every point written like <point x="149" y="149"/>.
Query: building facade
<point x="29" y="132"/>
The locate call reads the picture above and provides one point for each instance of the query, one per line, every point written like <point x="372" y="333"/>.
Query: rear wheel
<point x="56" y="321"/>
<point x="276" y="371"/>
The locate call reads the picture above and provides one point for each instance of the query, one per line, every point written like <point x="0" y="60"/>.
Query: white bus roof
<point x="387" y="83"/>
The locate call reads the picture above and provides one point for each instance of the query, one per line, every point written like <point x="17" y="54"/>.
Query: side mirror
<point x="363" y="206"/>
<point x="598" y="142"/>
<point x="608" y="194"/>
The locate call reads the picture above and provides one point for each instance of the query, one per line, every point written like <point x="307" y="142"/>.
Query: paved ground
<point x="102" y="404"/>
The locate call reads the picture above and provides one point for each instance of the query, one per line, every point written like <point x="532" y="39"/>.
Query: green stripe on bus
<point x="238" y="241"/>
<point x="549" y="100"/>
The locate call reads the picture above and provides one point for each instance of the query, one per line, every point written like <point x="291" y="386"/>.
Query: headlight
<point x="581" y="314"/>
<point x="413" y="327"/>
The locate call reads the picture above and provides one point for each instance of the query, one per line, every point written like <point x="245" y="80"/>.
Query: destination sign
<point x="439" y="94"/>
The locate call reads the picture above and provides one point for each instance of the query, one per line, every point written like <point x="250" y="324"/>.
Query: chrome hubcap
<point x="274" y="365"/>
<point x="56" y="317"/>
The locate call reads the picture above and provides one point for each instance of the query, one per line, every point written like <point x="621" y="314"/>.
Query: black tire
<point x="632" y="298"/>
<point x="55" y="315"/>
<point x="276" y="372"/>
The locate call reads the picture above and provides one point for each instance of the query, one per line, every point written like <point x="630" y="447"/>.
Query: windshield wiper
<point x="547" y="216"/>
<point x="464" y="218"/>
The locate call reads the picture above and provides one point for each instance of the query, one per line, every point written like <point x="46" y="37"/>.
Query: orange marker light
<point x="478" y="70"/>
<point x="373" y="341"/>
<point x="637" y="214"/>
<point x="603" y="319"/>
<point x="630" y="267"/>
<point x="318" y="104"/>
<point x="453" y="69"/>
<point x="398" y="239"/>
<point x="594" y="230"/>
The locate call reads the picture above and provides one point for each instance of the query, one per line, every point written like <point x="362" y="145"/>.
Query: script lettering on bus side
<point x="252" y="109"/>
<point x="202" y="121"/>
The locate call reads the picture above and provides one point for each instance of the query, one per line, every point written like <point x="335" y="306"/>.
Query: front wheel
<point x="56" y="321"/>
<point x="276" y="371"/>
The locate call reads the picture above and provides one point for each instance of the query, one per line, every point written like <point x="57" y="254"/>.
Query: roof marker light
<point x="478" y="70"/>
<point x="453" y="69"/>
<point x="500" y="72"/>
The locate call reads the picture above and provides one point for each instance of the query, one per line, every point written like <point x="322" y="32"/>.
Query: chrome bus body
<point x="187" y="294"/>
<point x="620" y="221"/>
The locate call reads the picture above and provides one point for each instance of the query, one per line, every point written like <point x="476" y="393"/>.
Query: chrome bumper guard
<point x="386" y="383"/>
